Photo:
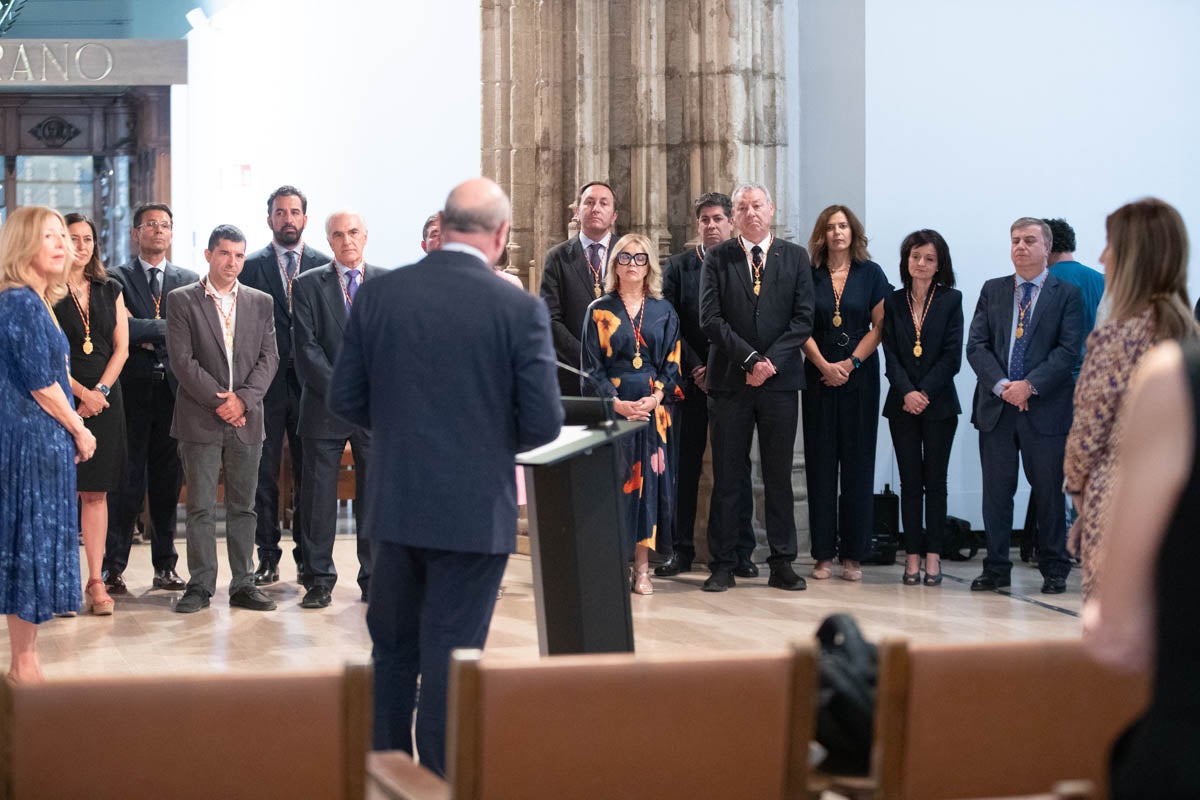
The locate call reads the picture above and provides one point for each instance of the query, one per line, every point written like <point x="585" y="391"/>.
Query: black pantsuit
<point x="152" y="468"/>
<point x="841" y="423"/>
<point x="922" y="441"/>
<point x="322" y="464"/>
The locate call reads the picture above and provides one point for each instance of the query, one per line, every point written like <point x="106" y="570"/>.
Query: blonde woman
<point x="630" y="346"/>
<point x="41" y="436"/>
<point x="1145" y="262"/>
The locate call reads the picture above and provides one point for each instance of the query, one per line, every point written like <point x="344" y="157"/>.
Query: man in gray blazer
<point x="1023" y="345"/>
<point x="221" y="339"/>
<point x="321" y="303"/>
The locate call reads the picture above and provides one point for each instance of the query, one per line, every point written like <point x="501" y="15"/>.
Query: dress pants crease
<point x="922" y="448"/>
<point x="281" y="413"/>
<point x="322" y="465"/>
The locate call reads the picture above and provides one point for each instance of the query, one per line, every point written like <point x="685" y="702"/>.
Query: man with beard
<point x="681" y="287"/>
<point x="272" y="270"/>
<point x="574" y="274"/>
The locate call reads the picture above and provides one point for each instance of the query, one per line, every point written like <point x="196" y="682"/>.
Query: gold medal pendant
<point x="837" y="320"/>
<point x="637" y="361"/>
<point x="87" y="345"/>
<point x="757" y="288"/>
<point x="596" y="289"/>
<point x="917" y="350"/>
<point x="1020" y="331"/>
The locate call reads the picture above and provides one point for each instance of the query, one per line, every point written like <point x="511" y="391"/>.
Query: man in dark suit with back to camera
<point x="681" y="287"/>
<point x="452" y="371"/>
<point x="274" y="270"/>
<point x="1023" y="345"/>
<point x="574" y="276"/>
<point x="222" y="343"/>
<point x="756" y="306"/>
<point x="148" y="385"/>
<point x="322" y="302"/>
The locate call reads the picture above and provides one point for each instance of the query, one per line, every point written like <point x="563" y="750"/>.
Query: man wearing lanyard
<point x="273" y="270"/>
<point x="221" y="338"/>
<point x="322" y="300"/>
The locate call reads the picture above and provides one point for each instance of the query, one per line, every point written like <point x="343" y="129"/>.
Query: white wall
<point x="383" y="104"/>
<point x="978" y="113"/>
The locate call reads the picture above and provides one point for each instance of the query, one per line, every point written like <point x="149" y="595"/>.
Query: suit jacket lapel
<point x="741" y="268"/>
<point x="1047" y="295"/>
<point x="772" y="266"/>
<point x="309" y="258"/>
<point x="141" y="287"/>
<point x="208" y="309"/>
<point x="331" y="290"/>
<point x="1002" y="302"/>
<point x="581" y="267"/>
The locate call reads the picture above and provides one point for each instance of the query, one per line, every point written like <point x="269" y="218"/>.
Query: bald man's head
<point x="477" y="213"/>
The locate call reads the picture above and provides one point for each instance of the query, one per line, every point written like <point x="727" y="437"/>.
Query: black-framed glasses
<point x="155" y="225"/>
<point x="641" y="259"/>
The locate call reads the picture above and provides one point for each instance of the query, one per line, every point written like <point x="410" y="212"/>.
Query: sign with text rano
<point x="32" y="63"/>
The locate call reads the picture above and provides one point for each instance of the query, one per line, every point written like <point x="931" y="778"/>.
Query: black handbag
<point x="848" y="673"/>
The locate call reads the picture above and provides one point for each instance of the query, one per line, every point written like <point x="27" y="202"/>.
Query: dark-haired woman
<point x="93" y="317"/>
<point x="922" y="340"/>
<point x="841" y="397"/>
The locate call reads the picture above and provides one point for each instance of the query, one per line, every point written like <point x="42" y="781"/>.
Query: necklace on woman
<point x="85" y="314"/>
<point x="919" y="323"/>
<point x="837" y="296"/>
<point x="637" y="330"/>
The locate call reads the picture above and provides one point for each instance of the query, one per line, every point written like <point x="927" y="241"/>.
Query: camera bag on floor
<point x="848" y="673"/>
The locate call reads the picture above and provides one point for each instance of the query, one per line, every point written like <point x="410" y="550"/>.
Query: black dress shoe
<point x="192" y="601"/>
<point x="115" y="584"/>
<point x="784" y="577"/>
<point x="317" y="597"/>
<point x="745" y="568"/>
<point x="168" y="579"/>
<point x="911" y="578"/>
<point x="674" y="565"/>
<point x="988" y="582"/>
<point x="1054" y="585"/>
<point x="719" y="581"/>
<point x="266" y="574"/>
<point x="251" y="598"/>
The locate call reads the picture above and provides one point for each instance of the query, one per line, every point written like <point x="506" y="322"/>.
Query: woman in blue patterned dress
<point x="631" y="349"/>
<point x="41" y="436"/>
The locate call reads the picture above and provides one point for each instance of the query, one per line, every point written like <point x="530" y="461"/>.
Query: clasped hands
<point x="637" y="410"/>
<point x="1017" y="393"/>
<point x="837" y="373"/>
<point x="233" y="410"/>
<point x="760" y="372"/>
<point x="91" y="403"/>
<point x="916" y="402"/>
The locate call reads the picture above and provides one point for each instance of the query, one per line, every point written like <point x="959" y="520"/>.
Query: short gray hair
<point x="1035" y="222"/>
<point x="345" y="212"/>
<point x="745" y="187"/>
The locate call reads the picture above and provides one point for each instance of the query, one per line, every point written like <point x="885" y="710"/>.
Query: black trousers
<point x="152" y="469"/>
<point x="281" y="412"/>
<point x="322" y="462"/>
<point x="922" y="448"/>
<point x="733" y="417"/>
<point x="692" y="434"/>
<point x="840" y="428"/>
<point x="424" y="604"/>
<point x="1014" y="441"/>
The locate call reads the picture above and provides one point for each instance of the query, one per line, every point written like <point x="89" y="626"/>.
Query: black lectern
<point x="580" y="572"/>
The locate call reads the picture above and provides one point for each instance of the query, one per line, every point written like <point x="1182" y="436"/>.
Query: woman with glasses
<point x="630" y="347"/>
<point x="841" y="398"/>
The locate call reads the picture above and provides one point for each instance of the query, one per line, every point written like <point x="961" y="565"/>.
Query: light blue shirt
<point x="604" y="243"/>
<point x="1037" y="282"/>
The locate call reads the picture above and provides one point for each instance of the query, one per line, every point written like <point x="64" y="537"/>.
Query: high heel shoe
<point x="823" y="570"/>
<point x="933" y="580"/>
<point x="851" y="571"/>
<point x="98" y="603"/>
<point x="912" y="578"/>
<point x="641" y="581"/>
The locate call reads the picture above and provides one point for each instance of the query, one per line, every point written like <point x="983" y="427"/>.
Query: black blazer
<point x="568" y="289"/>
<point x="941" y="357"/>
<point x="681" y="288"/>
<point x="318" y="327"/>
<point x="776" y="323"/>
<point x="1055" y="333"/>
<point x="261" y="272"/>
<point x="143" y="327"/>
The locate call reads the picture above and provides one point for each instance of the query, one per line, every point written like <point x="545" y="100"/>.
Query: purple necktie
<point x="594" y="255"/>
<point x="351" y="285"/>
<point x="291" y="265"/>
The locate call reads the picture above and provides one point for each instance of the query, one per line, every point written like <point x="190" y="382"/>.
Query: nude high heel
<point x="98" y="603"/>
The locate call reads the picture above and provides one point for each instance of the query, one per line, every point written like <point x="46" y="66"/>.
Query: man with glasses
<point x="273" y="270"/>
<point x="149" y="387"/>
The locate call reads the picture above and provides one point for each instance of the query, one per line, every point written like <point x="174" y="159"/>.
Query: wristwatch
<point x="855" y="361"/>
<point x="102" y="389"/>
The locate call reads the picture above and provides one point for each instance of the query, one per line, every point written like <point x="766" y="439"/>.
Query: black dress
<point x="102" y="472"/>
<point x="1156" y="758"/>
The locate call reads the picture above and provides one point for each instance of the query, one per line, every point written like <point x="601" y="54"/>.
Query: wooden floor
<point x="146" y="637"/>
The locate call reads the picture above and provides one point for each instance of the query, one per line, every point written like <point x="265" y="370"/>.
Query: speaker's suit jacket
<point x="196" y="341"/>
<point x="1054" y="334"/>
<point x="143" y="327"/>
<point x="262" y="272"/>
<point x="738" y="323"/>
<point x="453" y="373"/>
<point x="318" y="328"/>
<point x="568" y="289"/>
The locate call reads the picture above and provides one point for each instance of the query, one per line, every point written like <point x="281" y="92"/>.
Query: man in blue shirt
<point x="1090" y="282"/>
